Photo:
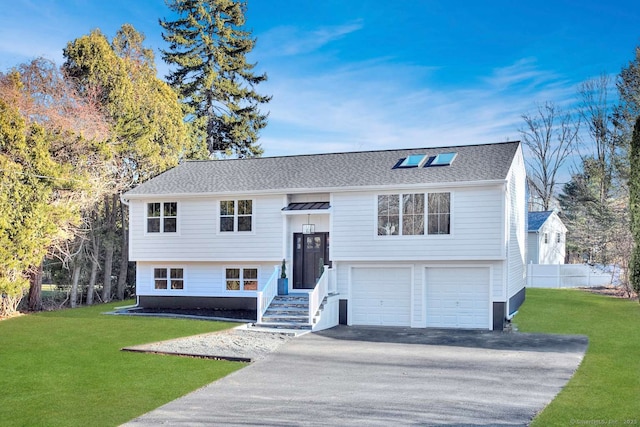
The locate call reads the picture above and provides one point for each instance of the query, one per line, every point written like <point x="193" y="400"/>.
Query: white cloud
<point x="382" y="106"/>
<point x="291" y="40"/>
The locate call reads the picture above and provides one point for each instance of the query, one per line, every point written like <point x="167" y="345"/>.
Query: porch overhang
<point x="307" y="208"/>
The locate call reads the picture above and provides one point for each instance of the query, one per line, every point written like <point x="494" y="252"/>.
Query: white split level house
<point x="422" y="237"/>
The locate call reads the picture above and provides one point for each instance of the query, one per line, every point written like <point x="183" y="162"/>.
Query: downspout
<point x="137" y="304"/>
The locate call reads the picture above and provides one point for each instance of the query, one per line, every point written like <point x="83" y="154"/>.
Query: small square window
<point x="168" y="278"/>
<point x="241" y="279"/>
<point x="236" y="215"/>
<point x="162" y="217"/>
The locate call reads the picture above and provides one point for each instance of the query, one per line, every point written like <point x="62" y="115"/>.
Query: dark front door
<point x="310" y="253"/>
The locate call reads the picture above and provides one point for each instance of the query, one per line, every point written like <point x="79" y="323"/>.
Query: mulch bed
<point x="248" y="315"/>
<point x="611" y="291"/>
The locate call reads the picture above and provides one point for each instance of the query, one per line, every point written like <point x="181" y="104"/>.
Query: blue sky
<point x="351" y="75"/>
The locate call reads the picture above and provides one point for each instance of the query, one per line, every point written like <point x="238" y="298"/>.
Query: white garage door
<point x="458" y="297"/>
<point x="380" y="296"/>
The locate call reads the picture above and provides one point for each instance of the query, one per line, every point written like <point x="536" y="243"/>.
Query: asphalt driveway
<point x="354" y="376"/>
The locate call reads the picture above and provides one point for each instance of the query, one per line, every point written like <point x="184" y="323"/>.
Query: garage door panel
<point x="381" y="296"/>
<point x="457" y="297"/>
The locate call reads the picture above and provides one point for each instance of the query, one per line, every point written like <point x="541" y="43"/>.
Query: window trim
<point x="439" y="213"/>
<point x="241" y="279"/>
<point x="426" y="234"/>
<point x="236" y="216"/>
<point x="162" y="217"/>
<point x="167" y="269"/>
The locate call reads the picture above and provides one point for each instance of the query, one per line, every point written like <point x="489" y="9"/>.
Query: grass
<point x="605" y="390"/>
<point x="66" y="368"/>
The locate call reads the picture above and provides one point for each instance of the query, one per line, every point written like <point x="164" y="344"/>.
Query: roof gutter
<point x="439" y="185"/>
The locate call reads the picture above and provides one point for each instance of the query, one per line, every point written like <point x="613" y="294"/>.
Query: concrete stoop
<point x="288" y="312"/>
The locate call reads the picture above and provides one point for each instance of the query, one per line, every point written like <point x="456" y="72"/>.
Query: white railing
<point x="333" y="284"/>
<point x="266" y="294"/>
<point x="319" y="293"/>
<point x="565" y="276"/>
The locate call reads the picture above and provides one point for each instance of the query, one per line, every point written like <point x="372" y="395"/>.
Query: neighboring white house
<point x="425" y="237"/>
<point x="546" y="238"/>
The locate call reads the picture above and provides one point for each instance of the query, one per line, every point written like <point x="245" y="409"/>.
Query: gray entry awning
<point x="307" y="206"/>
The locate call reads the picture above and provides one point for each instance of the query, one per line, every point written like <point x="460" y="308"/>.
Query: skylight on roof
<point x="443" y="159"/>
<point x="413" y="161"/>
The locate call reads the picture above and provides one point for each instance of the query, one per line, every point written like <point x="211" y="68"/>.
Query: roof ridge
<point x="389" y="150"/>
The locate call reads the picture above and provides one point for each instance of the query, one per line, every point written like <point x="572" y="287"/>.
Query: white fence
<point x="565" y="276"/>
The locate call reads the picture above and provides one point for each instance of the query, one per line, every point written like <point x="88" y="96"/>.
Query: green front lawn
<point x="66" y="367"/>
<point x="606" y="388"/>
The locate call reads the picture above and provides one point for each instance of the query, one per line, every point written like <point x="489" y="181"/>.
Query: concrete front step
<point x="283" y="325"/>
<point x="285" y="319"/>
<point x="289" y="305"/>
<point x="287" y="312"/>
<point x="291" y="300"/>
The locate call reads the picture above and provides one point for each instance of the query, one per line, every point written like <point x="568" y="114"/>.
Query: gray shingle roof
<point x="329" y="171"/>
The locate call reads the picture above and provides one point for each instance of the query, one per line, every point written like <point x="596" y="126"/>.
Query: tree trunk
<point x="95" y="260"/>
<point x="124" y="253"/>
<point x="77" y="268"/>
<point x="35" y="289"/>
<point x="108" y="264"/>
<point x="109" y="214"/>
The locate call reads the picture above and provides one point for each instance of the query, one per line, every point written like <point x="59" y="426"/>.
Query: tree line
<point x="594" y="139"/>
<point x="74" y="137"/>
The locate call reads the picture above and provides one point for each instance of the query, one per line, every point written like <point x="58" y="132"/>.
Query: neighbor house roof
<point x="536" y="219"/>
<point x="330" y="171"/>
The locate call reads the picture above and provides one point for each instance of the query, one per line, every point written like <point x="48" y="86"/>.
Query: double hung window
<point x="406" y="214"/>
<point x="241" y="279"/>
<point x="168" y="278"/>
<point x="162" y="217"/>
<point x="236" y="215"/>
<point x="439" y="213"/>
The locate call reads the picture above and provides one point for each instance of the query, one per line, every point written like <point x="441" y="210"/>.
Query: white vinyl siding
<point x="206" y="279"/>
<point x="516" y="207"/>
<point x="199" y="238"/>
<point x="551" y="252"/>
<point x="477" y="230"/>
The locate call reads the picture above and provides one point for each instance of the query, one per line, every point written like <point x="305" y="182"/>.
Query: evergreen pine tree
<point x="208" y="46"/>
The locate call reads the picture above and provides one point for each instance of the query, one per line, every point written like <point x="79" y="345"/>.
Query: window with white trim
<point x="404" y="214"/>
<point x="412" y="214"/>
<point x="168" y="278"/>
<point x="241" y="279"/>
<point x="162" y="217"/>
<point x="388" y="215"/>
<point x="439" y="212"/>
<point x="236" y="215"/>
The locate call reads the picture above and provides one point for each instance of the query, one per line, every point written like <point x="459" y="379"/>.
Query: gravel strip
<point x="231" y="344"/>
